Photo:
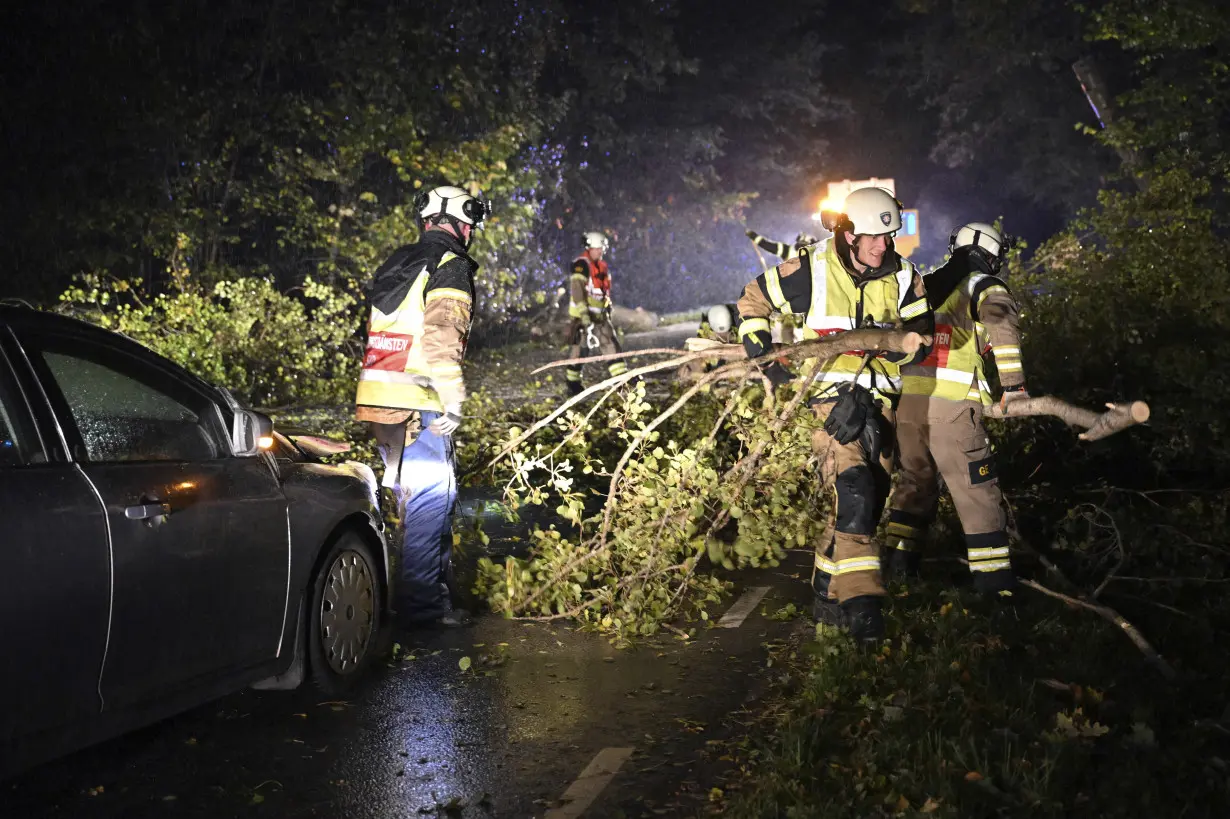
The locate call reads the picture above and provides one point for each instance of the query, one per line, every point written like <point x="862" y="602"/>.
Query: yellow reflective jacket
<point x="974" y="314"/>
<point x="820" y="285"/>
<point x="415" y="345"/>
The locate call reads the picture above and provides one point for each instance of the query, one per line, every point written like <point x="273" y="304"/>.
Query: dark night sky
<point x="877" y="140"/>
<point x="886" y="133"/>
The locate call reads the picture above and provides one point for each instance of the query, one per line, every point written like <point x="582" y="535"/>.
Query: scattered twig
<point x="1208" y="547"/>
<point x="1112" y="616"/>
<point x="1118" y="545"/>
<point x="598" y="359"/>
<point x="1150" y="602"/>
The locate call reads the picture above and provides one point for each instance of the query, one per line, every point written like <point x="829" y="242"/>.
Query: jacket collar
<point x="445" y="239"/>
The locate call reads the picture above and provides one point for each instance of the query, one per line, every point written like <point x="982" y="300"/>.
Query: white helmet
<point x="719" y="318"/>
<point x="871" y="212"/>
<point x="596" y="240"/>
<point x="978" y="234"/>
<point x="983" y="239"/>
<point x="453" y="203"/>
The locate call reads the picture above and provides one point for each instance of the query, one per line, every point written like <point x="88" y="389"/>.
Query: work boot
<point x="900" y="566"/>
<point x="457" y="618"/>
<point x="454" y="618"/>
<point x="829" y="612"/>
<point x="864" y="618"/>
<point x="575" y="387"/>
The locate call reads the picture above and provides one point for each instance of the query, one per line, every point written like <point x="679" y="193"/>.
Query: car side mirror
<point x="251" y="433"/>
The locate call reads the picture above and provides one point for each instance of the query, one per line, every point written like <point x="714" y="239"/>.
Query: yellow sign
<point x="907" y="239"/>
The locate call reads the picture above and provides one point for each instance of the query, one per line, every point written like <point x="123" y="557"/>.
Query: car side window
<point x="127" y="410"/>
<point x="18" y="441"/>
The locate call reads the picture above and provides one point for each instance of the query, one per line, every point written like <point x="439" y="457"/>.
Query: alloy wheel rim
<point x="347" y="611"/>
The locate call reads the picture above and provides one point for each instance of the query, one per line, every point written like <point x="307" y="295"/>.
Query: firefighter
<point x="785" y="327"/>
<point x="856" y="279"/>
<point x="717" y="324"/>
<point x="939" y="420"/>
<point x="781" y="249"/>
<point x="591" y="331"/>
<point x="720" y="323"/>
<point x="411" y="388"/>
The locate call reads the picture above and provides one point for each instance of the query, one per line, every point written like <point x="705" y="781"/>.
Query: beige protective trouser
<point x="848" y="558"/>
<point x="960" y="451"/>
<point x="604" y="332"/>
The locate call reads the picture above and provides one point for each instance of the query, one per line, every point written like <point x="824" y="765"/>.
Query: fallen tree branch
<point x="815" y="351"/>
<point x="895" y="341"/>
<point x="849" y="341"/>
<point x="1117" y="417"/>
<point x="1112" y="616"/>
<point x="597" y="359"/>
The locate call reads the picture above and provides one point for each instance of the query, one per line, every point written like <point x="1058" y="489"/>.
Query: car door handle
<point x="146" y="511"/>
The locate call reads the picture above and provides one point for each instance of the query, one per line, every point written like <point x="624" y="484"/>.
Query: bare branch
<point x="1117" y="417"/>
<point x="1112" y="616"/>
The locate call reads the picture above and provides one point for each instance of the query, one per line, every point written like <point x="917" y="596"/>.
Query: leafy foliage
<point x="270" y="349"/>
<point x="632" y="567"/>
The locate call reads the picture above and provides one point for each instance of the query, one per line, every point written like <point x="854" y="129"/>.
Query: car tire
<point x="344" y="613"/>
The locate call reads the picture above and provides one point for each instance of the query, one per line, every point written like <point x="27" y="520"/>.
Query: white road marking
<point x="743" y="607"/>
<point x="581" y="793"/>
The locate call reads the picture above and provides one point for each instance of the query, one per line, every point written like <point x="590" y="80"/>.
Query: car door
<point x="57" y="578"/>
<point x="200" y="538"/>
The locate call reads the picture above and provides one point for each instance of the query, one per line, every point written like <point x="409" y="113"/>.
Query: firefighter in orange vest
<point x="591" y="331"/>
<point x="411" y="388"/>
<point x="939" y="419"/>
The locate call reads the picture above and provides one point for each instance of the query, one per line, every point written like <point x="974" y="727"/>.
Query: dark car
<point x="155" y="555"/>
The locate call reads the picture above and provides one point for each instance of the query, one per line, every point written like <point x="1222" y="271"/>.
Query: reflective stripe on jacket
<point x="837" y="301"/>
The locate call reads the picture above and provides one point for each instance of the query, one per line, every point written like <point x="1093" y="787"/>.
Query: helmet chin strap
<point x="453" y="226"/>
<point x="854" y="259"/>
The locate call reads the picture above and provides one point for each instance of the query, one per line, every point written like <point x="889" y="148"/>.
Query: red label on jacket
<point x="387" y="351"/>
<point x="938" y="357"/>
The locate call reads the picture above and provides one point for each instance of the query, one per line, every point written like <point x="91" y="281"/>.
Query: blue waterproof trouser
<point x="426" y="488"/>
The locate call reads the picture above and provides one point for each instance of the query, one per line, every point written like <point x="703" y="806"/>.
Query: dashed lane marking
<point x="581" y="793"/>
<point x="743" y="607"/>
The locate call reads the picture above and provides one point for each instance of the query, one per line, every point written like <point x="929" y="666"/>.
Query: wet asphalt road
<point x="420" y="736"/>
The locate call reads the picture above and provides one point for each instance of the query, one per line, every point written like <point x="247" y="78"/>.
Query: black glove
<point x="777" y="374"/>
<point x="751" y="234"/>
<point x="850" y="415"/>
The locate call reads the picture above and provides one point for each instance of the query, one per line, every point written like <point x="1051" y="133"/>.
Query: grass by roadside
<point x="973" y="710"/>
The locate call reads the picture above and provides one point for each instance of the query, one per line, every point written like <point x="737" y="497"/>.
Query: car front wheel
<point x="344" y="614"/>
